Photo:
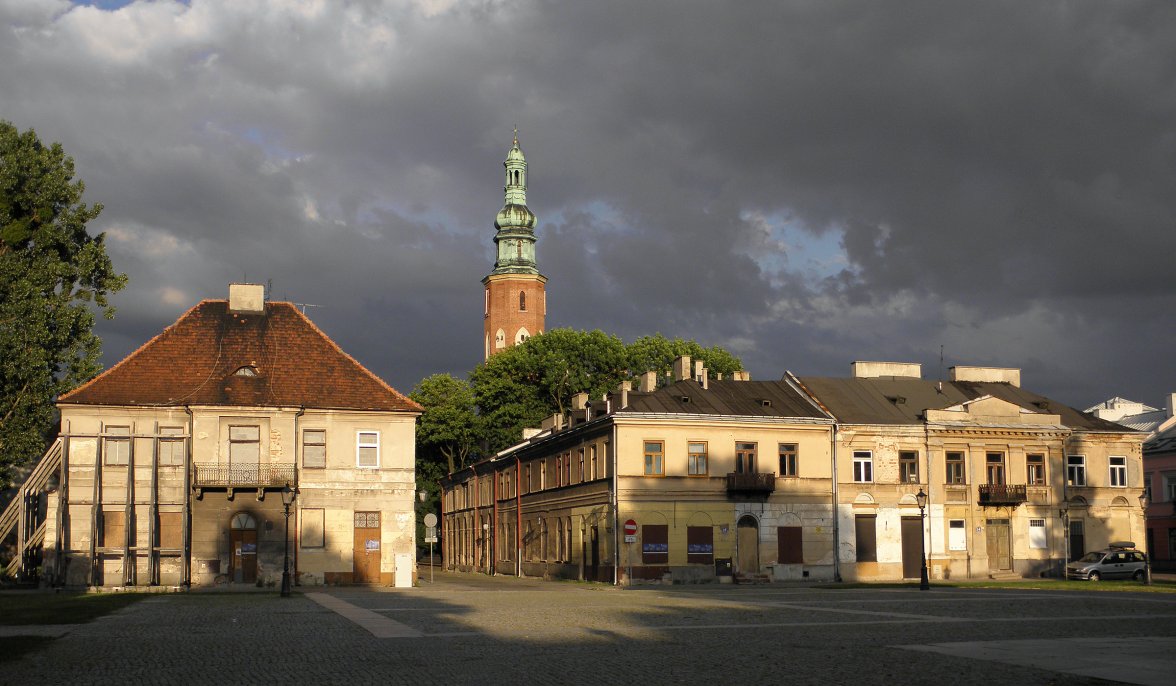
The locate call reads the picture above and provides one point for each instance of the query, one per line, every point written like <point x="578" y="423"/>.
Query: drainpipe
<point x="186" y="520"/>
<point x="494" y="523"/>
<point x="615" y="511"/>
<point x="518" y="517"/>
<point x="836" y="512"/>
<point x="927" y="461"/>
<point x="298" y="480"/>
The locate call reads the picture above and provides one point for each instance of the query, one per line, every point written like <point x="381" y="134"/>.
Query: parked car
<point x="1119" y="561"/>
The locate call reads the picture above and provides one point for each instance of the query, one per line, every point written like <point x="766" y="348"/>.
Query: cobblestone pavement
<point x="466" y="629"/>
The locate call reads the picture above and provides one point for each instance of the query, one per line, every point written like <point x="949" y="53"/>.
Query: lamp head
<point x="1143" y="500"/>
<point x="422" y="494"/>
<point x="288" y="494"/>
<point x="921" y="497"/>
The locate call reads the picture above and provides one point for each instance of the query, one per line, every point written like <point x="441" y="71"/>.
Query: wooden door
<point x="1077" y="539"/>
<point x="367" y="554"/>
<point x="748" y="546"/>
<point x="1000" y="556"/>
<point x="244" y="546"/>
<point x="912" y="550"/>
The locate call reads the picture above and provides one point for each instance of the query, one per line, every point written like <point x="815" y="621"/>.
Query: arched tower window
<point x="522" y="301"/>
<point x="522" y="335"/>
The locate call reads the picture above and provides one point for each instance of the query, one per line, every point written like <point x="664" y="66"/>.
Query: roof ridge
<point x="74" y="391"/>
<point x="397" y="394"/>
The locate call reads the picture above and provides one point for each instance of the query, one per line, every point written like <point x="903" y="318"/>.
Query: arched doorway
<point x="748" y="542"/>
<point x="243" y="544"/>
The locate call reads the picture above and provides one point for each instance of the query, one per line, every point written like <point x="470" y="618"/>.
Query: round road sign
<point x="430" y="519"/>
<point x="630" y="528"/>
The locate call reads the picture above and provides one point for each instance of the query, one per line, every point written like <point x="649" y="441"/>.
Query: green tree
<point x="52" y="274"/>
<point x="657" y="353"/>
<point x="449" y="428"/>
<point x="522" y="385"/>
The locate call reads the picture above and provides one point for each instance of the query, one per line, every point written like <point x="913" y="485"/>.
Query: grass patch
<point x="24" y="608"/>
<point x="16" y="647"/>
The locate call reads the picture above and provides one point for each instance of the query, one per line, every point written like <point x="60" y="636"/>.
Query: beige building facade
<point x="175" y="460"/>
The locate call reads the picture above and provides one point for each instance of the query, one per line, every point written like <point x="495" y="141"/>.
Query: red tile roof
<point x="195" y="362"/>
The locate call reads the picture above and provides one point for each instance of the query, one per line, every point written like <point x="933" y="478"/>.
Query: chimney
<point x="741" y="375"/>
<point x="1170" y="405"/>
<point x="648" y="382"/>
<point x="579" y="400"/>
<point x="623" y="394"/>
<point x="1008" y="375"/>
<point x="682" y="368"/>
<point x="700" y="373"/>
<point x="246" y="298"/>
<point x="878" y="370"/>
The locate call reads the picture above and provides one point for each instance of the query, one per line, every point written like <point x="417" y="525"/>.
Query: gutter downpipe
<point x="836" y="513"/>
<point x="518" y="517"/>
<point x="297" y="481"/>
<point x="615" y="505"/>
<point x="186" y="522"/>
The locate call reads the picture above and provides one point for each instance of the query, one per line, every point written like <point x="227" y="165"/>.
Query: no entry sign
<point x="630" y="528"/>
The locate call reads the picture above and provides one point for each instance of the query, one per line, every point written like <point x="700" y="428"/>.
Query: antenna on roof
<point x="941" y="362"/>
<point x="306" y="305"/>
<point x="269" y="288"/>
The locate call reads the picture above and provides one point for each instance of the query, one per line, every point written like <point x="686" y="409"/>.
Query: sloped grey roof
<point x="730" y="398"/>
<point x="894" y="400"/>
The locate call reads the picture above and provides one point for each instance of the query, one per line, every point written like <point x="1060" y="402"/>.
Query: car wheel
<point x="1138" y="576"/>
<point x="1095" y="576"/>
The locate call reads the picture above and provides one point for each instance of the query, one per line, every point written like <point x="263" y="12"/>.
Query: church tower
<point x="515" y="298"/>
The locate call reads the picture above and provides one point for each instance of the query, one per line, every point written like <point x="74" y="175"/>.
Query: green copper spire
<point x="515" y="240"/>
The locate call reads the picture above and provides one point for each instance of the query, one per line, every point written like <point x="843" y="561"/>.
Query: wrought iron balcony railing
<point x="250" y="475"/>
<point x="1002" y="494"/>
<point x="751" y="483"/>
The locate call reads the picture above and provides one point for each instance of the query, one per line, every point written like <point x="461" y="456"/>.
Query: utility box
<point x="404" y="567"/>
<point x="723" y="566"/>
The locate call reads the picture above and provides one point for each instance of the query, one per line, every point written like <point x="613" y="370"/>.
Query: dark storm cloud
<point x="998" y="176"/>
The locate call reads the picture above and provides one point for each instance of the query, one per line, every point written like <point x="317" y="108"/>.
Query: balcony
<point x="751" y="483"/>
<point x="1002" y="494"/>
<point x="217" y="475"/>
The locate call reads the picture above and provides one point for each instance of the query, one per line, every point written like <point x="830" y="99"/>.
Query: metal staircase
<point x="25" y="515"/>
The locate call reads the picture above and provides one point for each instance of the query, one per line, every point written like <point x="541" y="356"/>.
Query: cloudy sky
<point x="806" y="183"/>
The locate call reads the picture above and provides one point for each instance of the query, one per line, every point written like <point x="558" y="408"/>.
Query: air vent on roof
<point x="766" y="403"/>
<point x="685" y="398"/>
<point x="896" y="399"/>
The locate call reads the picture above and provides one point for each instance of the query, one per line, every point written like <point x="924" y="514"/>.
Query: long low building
<point x="802" y="478"/>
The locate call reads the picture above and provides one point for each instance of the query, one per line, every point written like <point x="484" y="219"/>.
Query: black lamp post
<point x="288" y="495"/>
<point x="1146" y="548"/>
<point x="924" y="583"/>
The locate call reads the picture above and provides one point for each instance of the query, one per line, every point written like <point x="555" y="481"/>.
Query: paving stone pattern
<point x="466" y="629"/>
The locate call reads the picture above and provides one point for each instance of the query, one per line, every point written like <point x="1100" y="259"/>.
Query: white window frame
<point x="865" y="458"/>
<point x="172" y="440"/>
<point x="1079" y="466"/>
<point x="1117" y="473"/>
<point x="360" y="445"/>
<point x="1037" y="538"/>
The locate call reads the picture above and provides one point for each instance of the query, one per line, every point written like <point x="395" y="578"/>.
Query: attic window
<point x="896" y="399"/>
<point x="686" y="399"/>
<point x="246" y="371"/>
<point x="766" y="403"/>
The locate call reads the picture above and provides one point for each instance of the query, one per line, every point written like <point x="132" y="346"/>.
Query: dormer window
<point x="247" y="370"/>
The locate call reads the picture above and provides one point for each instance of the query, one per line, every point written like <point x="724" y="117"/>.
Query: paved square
<point x="469" y="629"/>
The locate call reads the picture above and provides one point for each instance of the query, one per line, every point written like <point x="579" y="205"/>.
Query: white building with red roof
<point x="176" y="461"/>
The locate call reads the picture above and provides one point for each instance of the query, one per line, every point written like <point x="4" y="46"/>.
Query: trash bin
<point x="723" y="566"/>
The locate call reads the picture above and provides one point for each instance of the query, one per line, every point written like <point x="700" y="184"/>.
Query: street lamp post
<point x="288" y="495"/>
<point x="1063" y="513"/>
<point x="924" y="583"/>
<point x="1143" y="500"/>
